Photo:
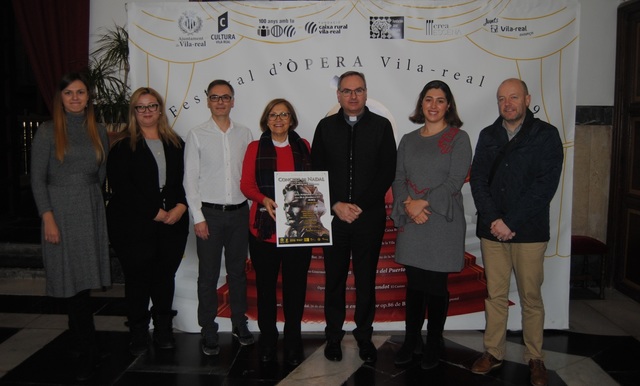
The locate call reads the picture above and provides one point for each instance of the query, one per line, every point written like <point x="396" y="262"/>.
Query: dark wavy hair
<point x="451" y="116"/>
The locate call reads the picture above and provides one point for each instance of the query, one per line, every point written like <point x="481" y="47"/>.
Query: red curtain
<point x="55" y="34"/>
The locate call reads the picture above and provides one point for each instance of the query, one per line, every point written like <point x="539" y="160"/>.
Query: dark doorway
<point x="23" y="110"/>
<point x="624" y="221"/>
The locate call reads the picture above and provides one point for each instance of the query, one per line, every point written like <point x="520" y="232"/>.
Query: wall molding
<point x="594" y="115"/>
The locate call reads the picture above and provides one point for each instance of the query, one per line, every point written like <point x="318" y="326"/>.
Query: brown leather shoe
<point x="485" y="363"/>
<point x="539" y="375"/>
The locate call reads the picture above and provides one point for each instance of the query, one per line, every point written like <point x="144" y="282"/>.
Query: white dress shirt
<point x="213" y="165"/>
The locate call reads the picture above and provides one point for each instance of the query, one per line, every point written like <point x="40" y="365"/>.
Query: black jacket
<point x="365" y="178"/>
<point x="136" y="197"/>
<point x="524" y="182"/>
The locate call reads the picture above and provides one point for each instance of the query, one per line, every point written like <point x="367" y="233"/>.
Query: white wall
<point x="597" y="52"/>
<point x="596" y="68"/>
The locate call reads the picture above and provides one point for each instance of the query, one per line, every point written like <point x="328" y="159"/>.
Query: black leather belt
<point x="224" y="208"/>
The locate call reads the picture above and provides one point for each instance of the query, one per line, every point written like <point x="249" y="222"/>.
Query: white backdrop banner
<point x="297" y="49"/>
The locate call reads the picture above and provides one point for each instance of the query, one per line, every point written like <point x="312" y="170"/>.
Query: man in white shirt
<point x="214" y="152"/>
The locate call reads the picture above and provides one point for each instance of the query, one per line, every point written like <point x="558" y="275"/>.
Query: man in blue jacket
<point x="514" y="176"/>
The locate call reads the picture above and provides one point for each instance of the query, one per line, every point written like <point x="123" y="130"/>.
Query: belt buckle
<point x="224" y="208"/>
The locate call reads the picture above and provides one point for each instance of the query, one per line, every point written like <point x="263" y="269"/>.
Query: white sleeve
<point x="192" y="177"/>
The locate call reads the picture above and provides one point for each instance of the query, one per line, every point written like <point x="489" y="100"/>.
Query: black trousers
<point x="293" y="263"/>
<point x="358" y="243"/>
<point x="149" y="265"/>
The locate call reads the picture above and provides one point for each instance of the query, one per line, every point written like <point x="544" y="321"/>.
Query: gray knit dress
<point x="432" y="168"/>
<point x="72" y="189"/>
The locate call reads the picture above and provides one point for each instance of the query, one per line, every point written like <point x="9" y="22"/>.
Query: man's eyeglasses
<point x="283" y="116"/>
<point x="151" y="108"/>
<point x="346" y="92"/>
<point x="225" y="98"/>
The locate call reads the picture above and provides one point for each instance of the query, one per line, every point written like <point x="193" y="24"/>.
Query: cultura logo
<point x="223" y="22"/>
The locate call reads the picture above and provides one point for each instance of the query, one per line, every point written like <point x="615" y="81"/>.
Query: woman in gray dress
<point x="433" y="163"/>
<point x="68" y="167"/>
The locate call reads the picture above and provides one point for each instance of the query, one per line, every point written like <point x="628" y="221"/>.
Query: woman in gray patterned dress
<point x="433" y="163"/>
<point x="68" y="167"/>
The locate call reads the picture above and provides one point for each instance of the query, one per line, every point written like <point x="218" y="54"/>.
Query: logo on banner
<point x="276" y="31"/>
<point x="333" y="27"/>
<point x="386" y="27"/>
<point x="511" y="29"/>
<point x="276" y="27"/>
<point x="223" y="22"/>
<point x="440" y="29"/>
<point x="311" y="27"/>
<point x="190" y="23"/>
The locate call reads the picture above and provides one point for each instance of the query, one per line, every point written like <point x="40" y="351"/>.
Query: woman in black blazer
<point x="145" y="214"/>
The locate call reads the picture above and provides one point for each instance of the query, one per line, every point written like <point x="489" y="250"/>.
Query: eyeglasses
<point x="347" y="92"/>
<point x="282" y="115"/>
<point x="151" y="108"/>
<point x="225" y="98"/>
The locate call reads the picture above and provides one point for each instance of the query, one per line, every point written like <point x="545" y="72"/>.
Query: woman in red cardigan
<point x="280" y="149"/>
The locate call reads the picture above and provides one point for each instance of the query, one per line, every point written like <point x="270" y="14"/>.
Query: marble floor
<point x="600" y="348"/>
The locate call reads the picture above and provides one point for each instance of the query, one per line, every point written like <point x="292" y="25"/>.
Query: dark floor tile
<point x="621" y="355"/>
<point x="368" y="374"/>
<point x="626" y="378"/>
<point x="6" y="333"/>
<point x="452" y="370"/>
<point x="49" y="305"/>
<point x="248" y="367"/>
<point x="187" y="357"/>
<point x="32" y="304"/>
<point x="513" y="374"/>
<point x="52" y="365"/>
<point x="445" y="374"/>
<point x="169" y="379"/>
<point x="109" y="306"/>
<point x="578" y="344"/>
<point x="386" y="355"/>
<point x="459" y="354"/>
<point x="452" y="353"/>
<point x="602" y="347"/>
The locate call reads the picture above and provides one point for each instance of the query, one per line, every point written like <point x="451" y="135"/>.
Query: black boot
<point x="163" y="329"/>
<point x="139" y="335"/>
<point x="414" y="319"/>
<point x="438" y="307"/>
<point x="83" y="334"/>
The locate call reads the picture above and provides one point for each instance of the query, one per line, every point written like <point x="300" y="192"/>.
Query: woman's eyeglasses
<point x="151" y="108"/>
<point x="283" y="116"/>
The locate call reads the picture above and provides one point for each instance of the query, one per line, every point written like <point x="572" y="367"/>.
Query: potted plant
<point x="109" y="72"/>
